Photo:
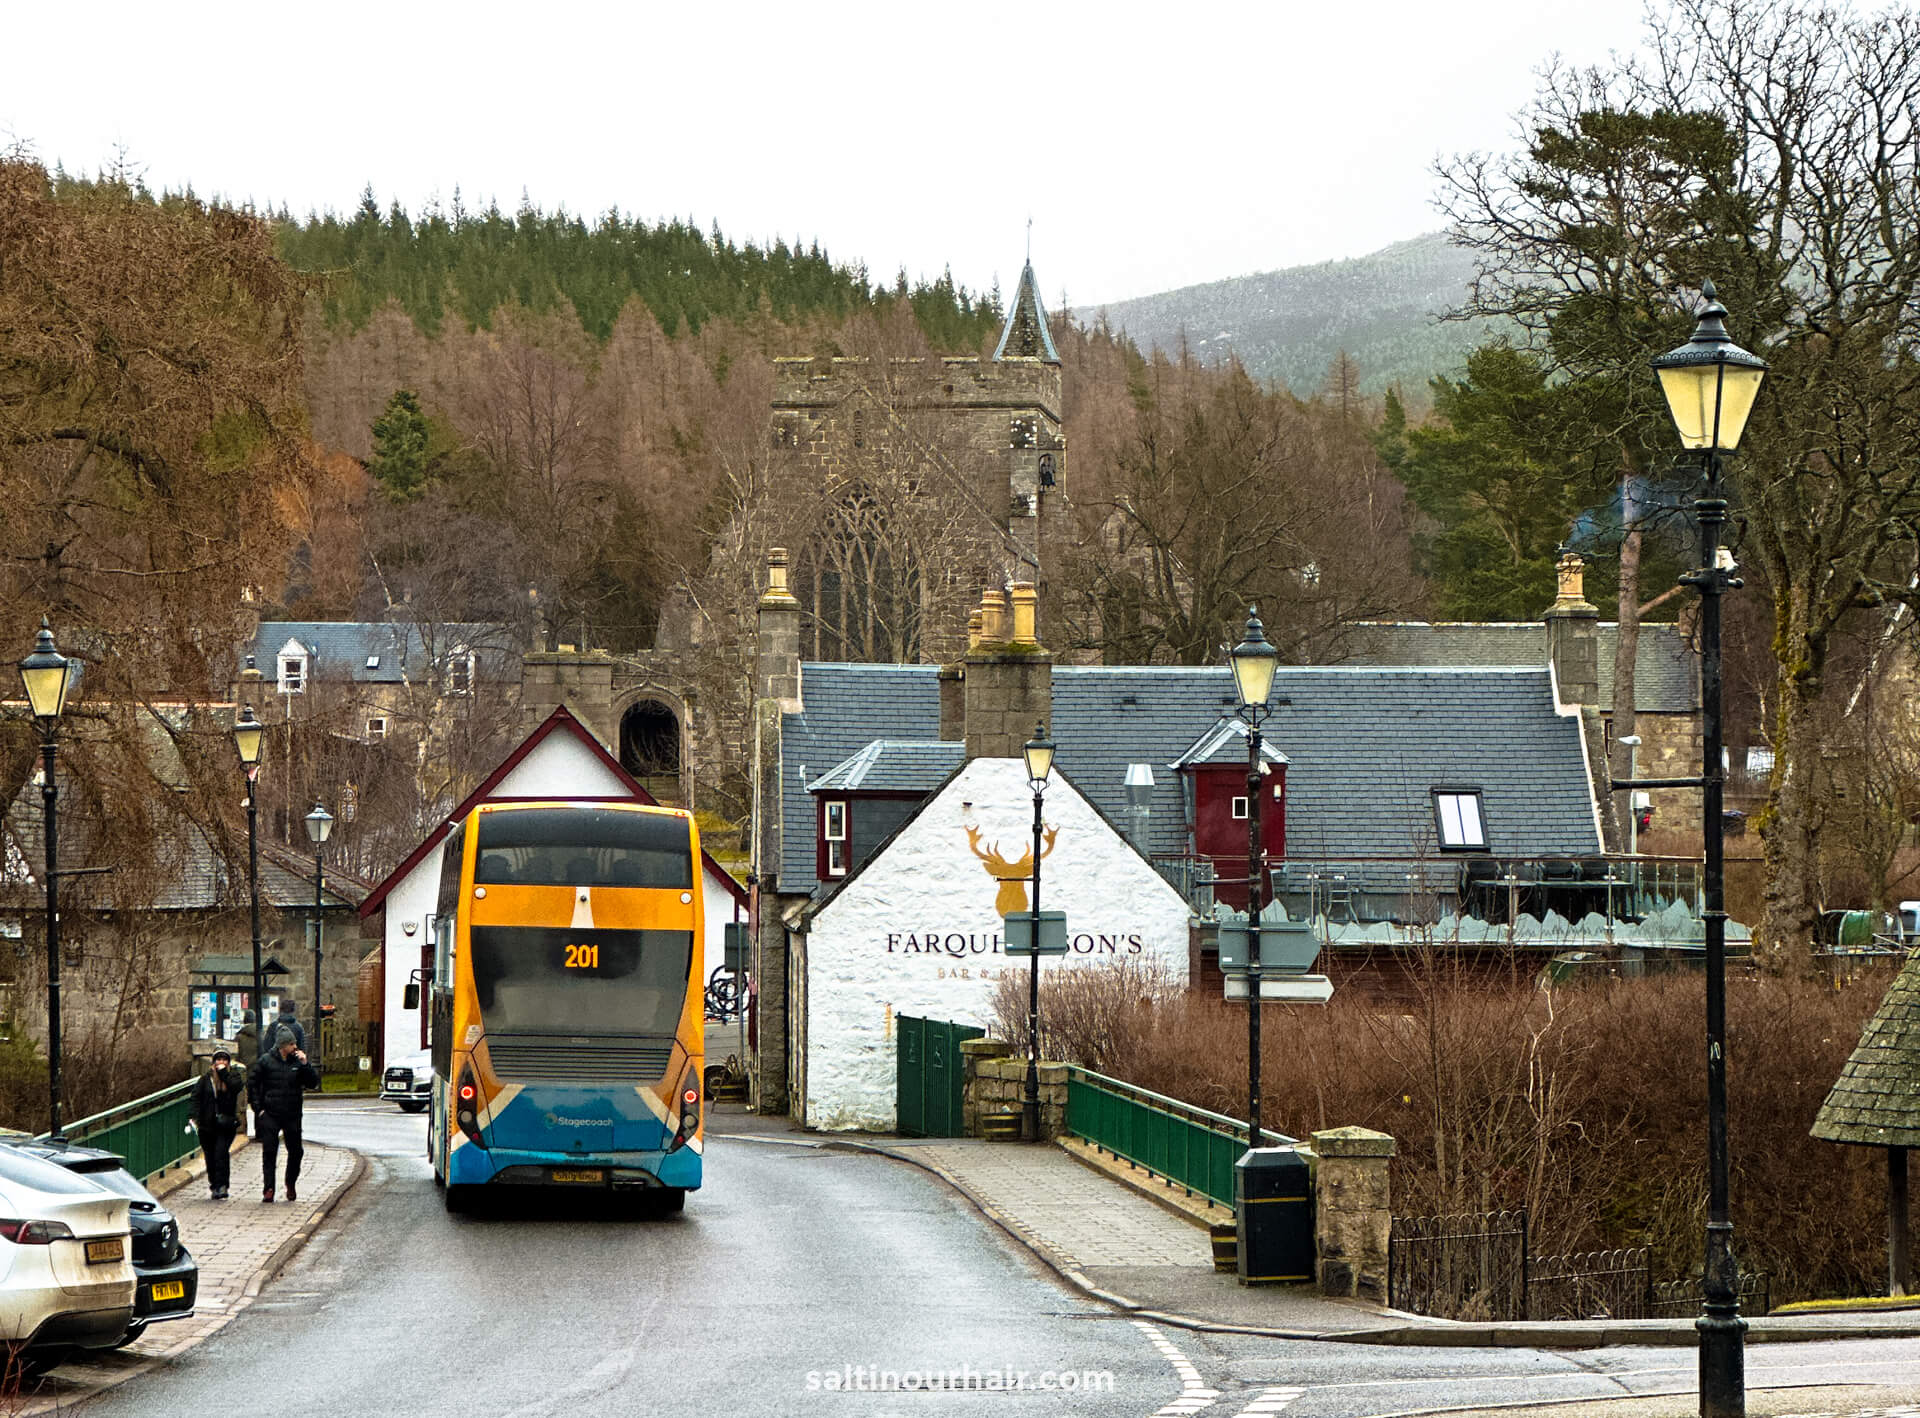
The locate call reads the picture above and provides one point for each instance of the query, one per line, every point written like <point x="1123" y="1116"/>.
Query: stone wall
<point x="131" y="980"/>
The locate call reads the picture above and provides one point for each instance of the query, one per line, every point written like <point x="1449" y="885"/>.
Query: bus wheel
<point x="668" y="1201"/>
<point x="459" y="1199"/>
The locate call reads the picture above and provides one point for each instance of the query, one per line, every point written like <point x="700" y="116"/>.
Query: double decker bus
<point x="566" y="1014"/>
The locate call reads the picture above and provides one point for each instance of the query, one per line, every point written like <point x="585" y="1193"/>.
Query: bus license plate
<point x="581" y="1174"/>
<point x="101" y="1252"/>
<point x="169" y="1290"/>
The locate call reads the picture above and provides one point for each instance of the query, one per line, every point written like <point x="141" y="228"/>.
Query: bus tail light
<point x="689" y="1111"/>
<point x="466" y="1107"/>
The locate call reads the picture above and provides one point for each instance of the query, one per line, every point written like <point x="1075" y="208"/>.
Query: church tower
<point x="1036" y="450"/>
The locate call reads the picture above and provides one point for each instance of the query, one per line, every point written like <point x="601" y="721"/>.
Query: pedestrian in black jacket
<point x="217" y="1100"/>
<point x="279" y="1085"/>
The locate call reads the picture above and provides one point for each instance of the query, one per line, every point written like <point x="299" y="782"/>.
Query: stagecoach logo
<point x="555" y="1120"/>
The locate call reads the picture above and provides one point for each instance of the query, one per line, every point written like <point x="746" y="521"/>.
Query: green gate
<point x="927" y="1092"/>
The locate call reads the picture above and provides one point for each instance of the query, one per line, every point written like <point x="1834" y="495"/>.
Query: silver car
<point x="408" y="1081"/>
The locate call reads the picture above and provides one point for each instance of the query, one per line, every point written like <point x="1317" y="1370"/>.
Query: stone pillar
<point x="974" y="1100"/>
<point x="1008" y="682"/>
<point x="776" y="692"/>
<point x="1353" y="1212"/>
<point x="1573" y="635"/>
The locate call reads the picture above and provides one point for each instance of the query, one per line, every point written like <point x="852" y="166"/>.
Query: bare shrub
<point x="1097" y="1016"/>
<point x="1586" y="1104"/>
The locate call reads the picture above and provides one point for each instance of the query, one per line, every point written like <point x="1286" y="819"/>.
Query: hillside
<point x="1288" y="325"/>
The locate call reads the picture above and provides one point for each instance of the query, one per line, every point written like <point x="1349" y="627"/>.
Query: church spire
<point x="1026" y="335"/>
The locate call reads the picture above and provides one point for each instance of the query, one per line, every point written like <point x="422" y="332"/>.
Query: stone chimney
<point x="251" y="688"/>
<point x="1572" y="634"/>
<point x="776" y="692"/>
<point x="1007" y="683"/>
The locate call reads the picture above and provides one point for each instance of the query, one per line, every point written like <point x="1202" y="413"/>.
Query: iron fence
<point x="1587" y="1285"/>
<point x="1475" y="1266"/>
<point x="1471" y="1266"/>
<point x="1683" y="1298"/>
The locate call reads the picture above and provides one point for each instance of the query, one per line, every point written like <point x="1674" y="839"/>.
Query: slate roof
<point x="195" y="877"/>
<point x="847" y="707"/>
<point x="1366" y="745"/>
<point x="1666" y="670"/>
<point x="892" y="766"/>
<point x="402" y="651"/>
<point x="1876" y="1101"/>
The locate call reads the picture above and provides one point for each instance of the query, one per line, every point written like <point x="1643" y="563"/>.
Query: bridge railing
<point x="1191" y="1147"/>
<point x="150" y="1132"/>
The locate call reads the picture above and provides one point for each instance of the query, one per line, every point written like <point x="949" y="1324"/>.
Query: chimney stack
<point x="1007" y="682"/>
<point x="1572" y="634"/>
<point x="776" y="692"/>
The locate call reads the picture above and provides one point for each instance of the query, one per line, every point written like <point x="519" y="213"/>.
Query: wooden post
<point x="1898" y="1251"/>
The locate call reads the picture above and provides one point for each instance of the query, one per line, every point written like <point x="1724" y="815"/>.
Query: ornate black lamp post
<point x="1710" y="385"/>
<point x="1038" y="752"/>
<point x="247" y="732"/>
<point x="1254" y="660"/>
<point x="319" y="828"/>
<point x="48" y="676"/>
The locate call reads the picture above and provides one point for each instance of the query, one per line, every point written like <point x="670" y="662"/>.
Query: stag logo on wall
<point x="1012" y="874"/>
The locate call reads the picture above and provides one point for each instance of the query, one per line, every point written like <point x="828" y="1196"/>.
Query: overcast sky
<point x="1153" y="145"/>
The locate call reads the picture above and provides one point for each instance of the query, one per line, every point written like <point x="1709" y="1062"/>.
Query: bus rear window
<point x="583" y="847"/>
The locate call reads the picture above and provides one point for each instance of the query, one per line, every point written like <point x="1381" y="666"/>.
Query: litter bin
<point x="1273" y="1210"/>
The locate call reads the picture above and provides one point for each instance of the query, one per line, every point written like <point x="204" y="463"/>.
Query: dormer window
<point x="376" y="727"/>
<point x="1461" y="822"/>
<point x="460" y="674"/>
<point x="293" y="674"/>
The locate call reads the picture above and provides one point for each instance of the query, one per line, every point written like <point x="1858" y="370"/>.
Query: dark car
<point x="168" y="1278"/>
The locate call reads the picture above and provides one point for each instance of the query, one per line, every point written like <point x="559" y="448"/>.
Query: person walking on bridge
<point x="280" y="1082"/>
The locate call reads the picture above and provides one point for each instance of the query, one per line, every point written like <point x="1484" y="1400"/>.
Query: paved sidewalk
<point x="1045" y="1195"/>
<point x="1105" y="1238"/>
<point x="239" y="1244"/>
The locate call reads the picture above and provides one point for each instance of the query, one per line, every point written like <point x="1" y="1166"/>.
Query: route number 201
<point x="583" y="957"/>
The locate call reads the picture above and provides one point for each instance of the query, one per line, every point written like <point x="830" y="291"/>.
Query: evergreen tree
<point x="400" y="447"/>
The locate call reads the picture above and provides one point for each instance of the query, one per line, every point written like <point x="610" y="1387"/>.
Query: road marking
<point x="1271" y="1400"/>
<point x="1194" y="1393"/>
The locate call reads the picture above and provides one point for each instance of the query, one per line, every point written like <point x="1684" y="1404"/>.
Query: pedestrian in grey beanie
<point x="279" y="1086"/>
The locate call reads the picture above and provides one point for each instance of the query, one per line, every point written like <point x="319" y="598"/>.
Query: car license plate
<point x="101" y="1252"/>
<point x="169" y="1290"/>
<point x="593" y="1174"/>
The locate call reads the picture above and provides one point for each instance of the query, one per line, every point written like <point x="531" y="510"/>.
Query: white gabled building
<point x="917" y="928"/>
<point x="560" y="759"/>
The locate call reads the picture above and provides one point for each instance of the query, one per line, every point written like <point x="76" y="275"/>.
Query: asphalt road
<point x="796" y="1279"/>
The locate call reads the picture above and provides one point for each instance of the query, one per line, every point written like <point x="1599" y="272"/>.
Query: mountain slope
<point x="1289" y="324"/>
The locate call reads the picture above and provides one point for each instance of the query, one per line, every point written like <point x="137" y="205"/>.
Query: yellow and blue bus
<point x="566" y="1014"/>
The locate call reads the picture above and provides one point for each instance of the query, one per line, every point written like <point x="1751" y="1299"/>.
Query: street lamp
<point x="1038" y="752"/>
<point x="1710" y="385"/>
<point x="247" y="732"/>
<point x="48" y="676"/>
<point x="319" y="828"/>
<point x="1254" y="660"/>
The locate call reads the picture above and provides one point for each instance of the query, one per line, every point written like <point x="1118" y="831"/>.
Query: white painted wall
<point x="917" y="931"/>
<point x="560" y="766"/>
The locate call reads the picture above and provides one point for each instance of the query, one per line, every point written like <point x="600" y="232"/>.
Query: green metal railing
<point x="150" y="1132"/>
<point x="1190" y="1147"/>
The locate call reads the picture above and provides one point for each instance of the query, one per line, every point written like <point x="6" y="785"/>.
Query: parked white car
<point x="66" y="1261"/>
<point x="408" y="1081"/>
